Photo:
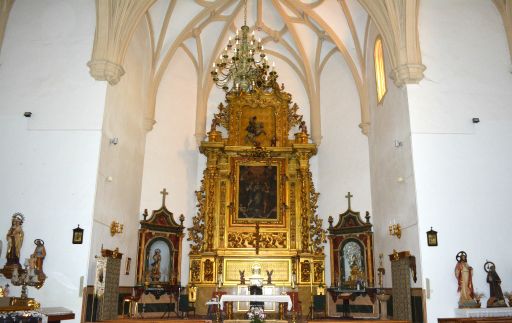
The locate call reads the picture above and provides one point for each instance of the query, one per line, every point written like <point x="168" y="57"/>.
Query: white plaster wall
<point x="343" y="160"/>
<point x="49" y="162"/>
<point x="392" y="175"/>
<point x="119" y="179"/>
<point x="463" y="170"/>
<point x="171" y="158"/>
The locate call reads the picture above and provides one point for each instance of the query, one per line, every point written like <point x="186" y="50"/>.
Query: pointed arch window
<point x="380" y="74"/>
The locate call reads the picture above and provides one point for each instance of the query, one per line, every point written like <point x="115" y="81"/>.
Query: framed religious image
<point x="78" y="235"/>
<point x="432" y="238"/>
<point x="160" y="261"/>
<point x="352" y="262"/>
<point x="258" y="192"/>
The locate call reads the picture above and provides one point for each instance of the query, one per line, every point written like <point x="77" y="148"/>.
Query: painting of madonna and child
<point x="257" y="197"/>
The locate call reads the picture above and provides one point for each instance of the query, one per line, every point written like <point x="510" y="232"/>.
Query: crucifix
<point x="164" y="194"/>
<point x="349" y="196"/>
<point x="257" y="238"/>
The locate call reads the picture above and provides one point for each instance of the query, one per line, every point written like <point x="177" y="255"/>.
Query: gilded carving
<point x="208" y="271"/>
<point x="210" y="223"/>
<point x="292" y="216"/>
<point x="281" y="268"/>
<point x="304" y="217"/>
<point x="222" y="212"/>
<point x="220" y="264"/>
<point x="248" y="240"/>
<point x="294" y="119"/>
<point x="318" y="272"/>
<point x="222" y="117"/>
<point x="318" y="234"/>
<point x="305" y="271"/>
<point x="196" y="232"/>
<point x="195" y="270"/>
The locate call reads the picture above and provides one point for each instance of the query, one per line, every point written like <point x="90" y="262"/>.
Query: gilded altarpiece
<point x="257" y="201"/>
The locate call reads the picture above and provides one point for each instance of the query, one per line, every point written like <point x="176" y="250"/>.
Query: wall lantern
<point x="78" y="235"/>
<point x="432" y="238"/>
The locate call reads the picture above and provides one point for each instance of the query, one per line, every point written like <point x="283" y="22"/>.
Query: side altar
<point x="257" y="202"/>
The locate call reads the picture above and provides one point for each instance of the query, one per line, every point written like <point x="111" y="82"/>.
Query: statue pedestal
<point x="242" y="289"/>
<point x="483" y="312"/>
<point x="383" y="302"/>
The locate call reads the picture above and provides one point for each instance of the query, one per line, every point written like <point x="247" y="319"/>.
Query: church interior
<point x="255" y="160"/>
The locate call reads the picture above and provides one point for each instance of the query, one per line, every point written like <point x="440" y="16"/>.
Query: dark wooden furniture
<point x="57" y="314"/>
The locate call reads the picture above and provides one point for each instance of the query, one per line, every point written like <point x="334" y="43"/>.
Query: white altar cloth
<point x="256" y="298"/>
<point x="483" y="312"/>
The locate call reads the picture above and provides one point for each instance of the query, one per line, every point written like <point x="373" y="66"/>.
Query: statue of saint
<point x="303" y="127"/>
<point x="155" y="265"/>
<point x="242" y="277"/>
<point x="15" y="239"/>
<point x="39" y="254"/>
<point x="464" y="275"/>
<point x="496" y="298"/>
<point x="269" y="276"/>
<point x="254" y="130"/>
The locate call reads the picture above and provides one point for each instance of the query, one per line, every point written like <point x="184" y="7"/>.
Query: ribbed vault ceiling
<point x="304" y="34"/>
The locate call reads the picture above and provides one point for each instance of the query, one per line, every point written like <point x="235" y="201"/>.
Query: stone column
<point x="108" y="268"/>
<point x="401" y="280"/>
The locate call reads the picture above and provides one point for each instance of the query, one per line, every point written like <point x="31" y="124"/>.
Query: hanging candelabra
<point x="243" y="65"/>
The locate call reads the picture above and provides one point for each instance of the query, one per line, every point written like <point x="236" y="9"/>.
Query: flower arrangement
<point x="478" y="296"/>
<point x="256" y="314"/>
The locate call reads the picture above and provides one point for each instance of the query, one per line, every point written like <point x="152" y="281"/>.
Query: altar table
<point x="229" y="299"/>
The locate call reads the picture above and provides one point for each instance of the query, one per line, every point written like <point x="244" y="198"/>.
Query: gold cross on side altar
<point x="349" y="196"/>
<point x="164" y="195"/>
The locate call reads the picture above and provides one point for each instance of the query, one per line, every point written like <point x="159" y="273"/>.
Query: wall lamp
<point x="395" y="230"/>
<point x="116" y="228"/>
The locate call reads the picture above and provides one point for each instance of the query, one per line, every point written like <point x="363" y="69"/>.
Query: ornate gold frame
<point x="236" y="163"/>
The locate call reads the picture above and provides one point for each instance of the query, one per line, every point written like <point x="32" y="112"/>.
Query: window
<point x="380" y="75"/>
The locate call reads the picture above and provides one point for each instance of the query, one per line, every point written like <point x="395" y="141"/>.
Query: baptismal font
<point x="381" y="295"/>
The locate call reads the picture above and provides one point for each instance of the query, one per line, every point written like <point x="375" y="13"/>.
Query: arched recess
<point x="505" y="10"/>
<point x="397" y="22"/>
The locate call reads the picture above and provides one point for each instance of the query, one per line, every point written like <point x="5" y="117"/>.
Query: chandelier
<point x="243" y="65"/>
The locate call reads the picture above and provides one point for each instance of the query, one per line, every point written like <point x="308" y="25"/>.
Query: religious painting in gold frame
<point x="258" y="191"/>
<point x="258" y="125"/>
